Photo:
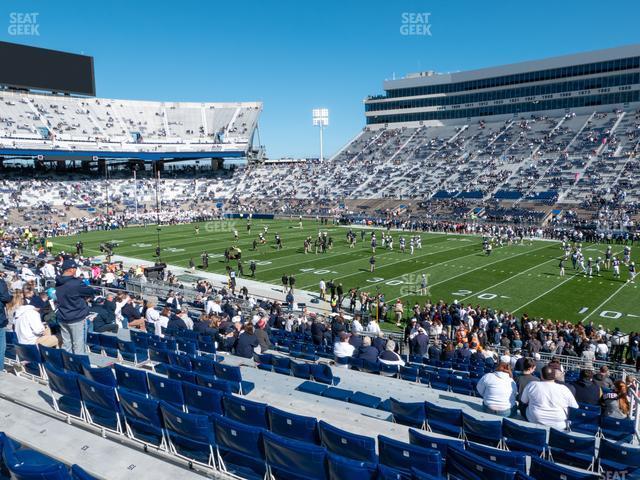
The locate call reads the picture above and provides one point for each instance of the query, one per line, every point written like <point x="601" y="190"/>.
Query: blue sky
<point x="297" y="55"/>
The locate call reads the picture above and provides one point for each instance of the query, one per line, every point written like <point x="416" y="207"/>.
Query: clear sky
<point x="297" y="55"/>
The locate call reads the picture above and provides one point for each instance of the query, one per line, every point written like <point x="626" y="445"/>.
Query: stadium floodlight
<point x="321" y="119"/>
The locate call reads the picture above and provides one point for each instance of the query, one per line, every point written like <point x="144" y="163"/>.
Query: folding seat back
<point x="323" y="374"/>
<point x="74" y="362"/>
<point x="548" y="470"/>
<point x="618" y="429"/>
<point x="518" y="437"/>
<point x="190" y="435"/>
<point x="207" y="346"/>
<point x="355" y="363"/>
<point x="101" y="404"/>
<point x="131" y="379"/>
<point x="404" y="456"/>
<point x="342" y="362"/>
<point x="409" y="373"/>
<point x="189" y="347"/>
<point x="158" y="355"/>
<point x="30" y="358"/>
<point x="228" y="372"/>
<point x="31" y="465"/>
<point x="411" y="414"/>
<point x="463" y="386"/>
<point x="130" y="352"/>
<point x="281" y="364"/>
<point x="389" y="370"/>
<point x="245" y="411"/>
<point x="300" y="370"/>
<point x="351" y="445"/>
<point x="388" y="473"/>
<point x="109" y="344"/>
<point x="370" y="367"/>
<point x="12" y="340"/>
<point x="202" y="400"/>
<point x="239" y="447"/>
<point x="263" y="361"/>
<point x="180" y="360"/>
<point x="575" y="450"/>
<point x="291" y="459"/>
<point x="440" y="381"/>
<point x="366" y="400"/>
<point x="103" y="375"/>
<point x="166" y="389"/>
<point x="620" y="458"/>
<point x="466" y="465"/>
<point x="486" y="432"/>
<point x="441" y="444"/>
<point x="338" y="394"/>
<point x="342" y="468"/>
<point x="203" y="365"/>
<point x="65" y="384"/>
<point x="214" y="383"/>
<point x="293" y="426"/>
<point x="180" y="374"/>
<point x="53" y="356"/>
<point x="583" y="421"/>
<point x="141" y="340"/>
<point x="447" y="421"/>
<point x="142" y="417"/>
<point x="516" y="460"/>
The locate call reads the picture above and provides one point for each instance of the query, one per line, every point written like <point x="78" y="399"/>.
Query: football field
<point x="514" y="278"/>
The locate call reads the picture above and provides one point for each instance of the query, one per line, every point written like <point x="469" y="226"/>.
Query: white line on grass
<point x="606" y="301"/>
<point x="547" y="292"/>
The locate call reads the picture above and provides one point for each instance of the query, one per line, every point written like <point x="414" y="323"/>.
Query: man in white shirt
<point x="548" y="402"/>
<point x="343" y="348"/>
<point x="213" y="306"/>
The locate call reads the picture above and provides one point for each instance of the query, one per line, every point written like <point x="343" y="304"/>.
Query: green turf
<point x="516" y="278"/>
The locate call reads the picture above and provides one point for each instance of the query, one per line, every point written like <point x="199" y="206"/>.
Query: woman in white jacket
<point x="30" y="329"/>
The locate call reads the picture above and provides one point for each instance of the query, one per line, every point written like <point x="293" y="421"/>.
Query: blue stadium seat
<point x="520" y="438"/>
<point x="404" y="456"/>
<point x="293" y="426"/>
<point x="103" y="375"/>
<point x="131" y="379"/>
<point x="342" y="362"/>
<point x="281" y="365"/>
<point x="408" y="413"/>
<point x="440" y="381"/>
<point x="583" y="421"/>
<point x="486" y="432"/>
<point x="78" y="473"/>
<point x="342" y="468"/>
<point x="109" y="344"/>
<point x="25" y="464"/>
<point x="202" y="400"/>
<point x="543" y="469"/>
<point x="263" y="361"/>
<point x="618" y="429"/>
<point x="350" y="445"/>
<point x="12" y="341"/>
<point x="409" y="373"/>
<point x="239" y="448"/>
<point x="245" y="411"/>
<point x="323" y="374"/>
<point x="575" y="450"/>
<point x="446" y="421"/>
<point x="203" y="365"/>
<point x="464" y="465"/>
<point x="338" y="394"/>
<point x="515" y="460"/>
<point x="233" y="375"/>
<point x="300" y="370"/>
<point x="31" y="360"/>
<point x="389" y="370"/>
<point x="65" y="385"/>
<point x="167" y="390"/>
<point x="388" y="473"/>
<point x="418" y="475"/>
<point x="100" y="404"/>
<point x="618" y="458"/>
<point x="130" y="352"/>
<point x="74" y="362"/>
<point x="364" y="399"/>
<point x="189" y="436"/>
<point x="53" y="356"/>
<point x="142" y="418"/>
<point x="370" y="367"/>
<point x="441" y="444"/>
<point x="180" y="360"/>
<point x="312" y="388"/>
<point x="463" y="386"/>
<point x="290" y="459"/>
<point x="355" y="363"/>
<point x="180" y="374"/>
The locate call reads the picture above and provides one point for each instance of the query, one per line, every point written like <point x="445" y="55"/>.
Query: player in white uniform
<point x="411" y="245"/>
<point x="616" y="267"/>
<point x="632" y="272"/>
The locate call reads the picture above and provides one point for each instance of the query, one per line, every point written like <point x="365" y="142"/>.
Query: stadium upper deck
<point x="588" y="80"/>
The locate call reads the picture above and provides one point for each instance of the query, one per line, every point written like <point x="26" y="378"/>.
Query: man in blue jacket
<point x="71" y="294"/>
<point x="5" y="297"/>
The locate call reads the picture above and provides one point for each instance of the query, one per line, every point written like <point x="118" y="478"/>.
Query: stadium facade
<point x="601" y="78"/>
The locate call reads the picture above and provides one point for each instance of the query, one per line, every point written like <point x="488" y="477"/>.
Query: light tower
<point x="321" y="119"/>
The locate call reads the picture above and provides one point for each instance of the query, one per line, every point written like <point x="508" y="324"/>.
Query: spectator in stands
<point x="30" y="329"/>
<point x="498" y="391"/>
<point x="71" y="295"/>
<point x="616" y="403"/>
<point x="132" y="311"/>
<point x="163" y="320"/>
<point x="389" y="356"/>
<point x="548" y="402"/>
<point x="104" y="315"/>
<point x="355" y="339"/>
<point x="177" y="321"/>
<point x="602" y="378"/>
<point x="5" y="298"/>
<point x="247" y="342"/>
<point x="263" y="336"/>
<point x="528" y="367"/>
<point x="151" y="315"/>
<point x="367" y="351"/>
<point x="585" y="390"/>
<point x="342" y="348"/>
<point x="419" y="342"/>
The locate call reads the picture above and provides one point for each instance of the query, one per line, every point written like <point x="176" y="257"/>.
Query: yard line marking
<point x="603" y="303"/>
<point x="545" y="293"/>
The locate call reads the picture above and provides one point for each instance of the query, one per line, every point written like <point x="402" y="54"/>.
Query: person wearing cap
<point x="263" y="337"/>
<point x="72" y="295"/>
<point x="498" y="391"/>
